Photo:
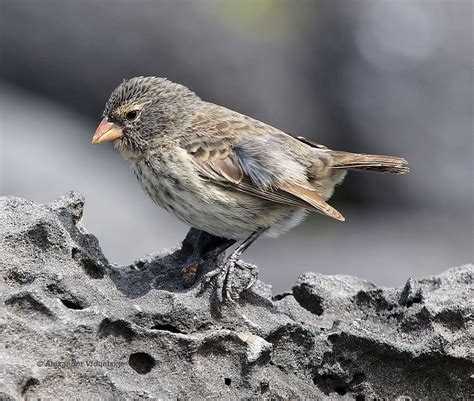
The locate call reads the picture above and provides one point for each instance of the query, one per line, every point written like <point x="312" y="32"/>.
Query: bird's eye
<point x="132" y="115"/>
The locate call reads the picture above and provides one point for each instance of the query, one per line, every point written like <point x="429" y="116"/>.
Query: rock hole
<point x="360" y="397"/>
<point x="38" y="235"/>
<point x="308" y="300"/>
<point x="141" y="362"/>
<point x="340" y="390"/>
<point x="264" y="386"/>
<point x="29" y="383"/>
<point x="227" y="381"/>
<point x="72" y="304"/>
<point x="415" y="300"/>
<point x="357" y="379"/>
<point x="117" y="328"/>
<point x="166" y="327"/>
<point x="330" y="383"/>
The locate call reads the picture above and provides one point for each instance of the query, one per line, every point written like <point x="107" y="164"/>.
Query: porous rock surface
<point x="73" y="325"/>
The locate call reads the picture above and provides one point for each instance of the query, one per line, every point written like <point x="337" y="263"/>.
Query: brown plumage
<point x="220" y="171"/>
<point x="216" y="136"/>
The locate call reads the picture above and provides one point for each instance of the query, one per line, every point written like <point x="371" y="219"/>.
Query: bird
<point x="222" y="172"/>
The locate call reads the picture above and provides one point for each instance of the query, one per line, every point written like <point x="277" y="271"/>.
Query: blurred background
<point x="372" y="76"/>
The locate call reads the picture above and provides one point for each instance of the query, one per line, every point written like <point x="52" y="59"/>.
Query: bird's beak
<point x="107" y="132"/>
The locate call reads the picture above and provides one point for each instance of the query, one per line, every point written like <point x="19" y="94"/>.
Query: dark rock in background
<point x="74" y="325"/>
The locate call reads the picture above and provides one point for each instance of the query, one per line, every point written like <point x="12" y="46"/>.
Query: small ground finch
<point x="223" y="172"/>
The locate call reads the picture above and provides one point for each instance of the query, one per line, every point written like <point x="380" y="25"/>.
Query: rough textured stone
<point x="73" y="324"/>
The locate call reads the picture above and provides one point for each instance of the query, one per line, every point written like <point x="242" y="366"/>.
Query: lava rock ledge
<point x="72" y="324"/>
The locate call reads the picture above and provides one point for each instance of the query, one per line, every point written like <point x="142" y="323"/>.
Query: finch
<point x="220" y="171"/>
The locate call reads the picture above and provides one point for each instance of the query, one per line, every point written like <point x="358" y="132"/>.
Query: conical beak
<point x="107" y="132"/>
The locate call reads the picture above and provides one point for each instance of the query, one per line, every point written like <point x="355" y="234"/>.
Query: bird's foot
<point x="210" y="248"/>
<point x="225" y="277"/>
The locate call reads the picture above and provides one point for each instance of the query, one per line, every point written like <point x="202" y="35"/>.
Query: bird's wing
<point x="236" y="152"/>
<point x="309" y="142"/>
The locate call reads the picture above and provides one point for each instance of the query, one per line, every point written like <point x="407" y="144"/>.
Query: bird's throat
<point x="128" y="152"/>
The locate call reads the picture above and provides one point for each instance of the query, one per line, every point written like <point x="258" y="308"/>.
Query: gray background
<point x="367" y="76"/>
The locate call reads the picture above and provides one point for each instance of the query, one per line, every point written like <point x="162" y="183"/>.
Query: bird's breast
<point x="158" y="184"/>
<point x="209" y="207"/>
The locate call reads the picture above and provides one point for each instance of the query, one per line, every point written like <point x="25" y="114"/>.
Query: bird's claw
<point x="210" y="275"/>
<point x="253" y="269"/>
<point x="224" y="274"/>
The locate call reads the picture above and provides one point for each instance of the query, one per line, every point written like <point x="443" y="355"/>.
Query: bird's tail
<point x="361" y="161"/>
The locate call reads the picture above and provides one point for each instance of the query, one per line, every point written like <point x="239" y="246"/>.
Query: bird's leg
<point x="206" y="247"/>
<point x="226" y="269"/>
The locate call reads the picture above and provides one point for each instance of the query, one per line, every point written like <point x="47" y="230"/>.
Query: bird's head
<point x="143" y="108"/>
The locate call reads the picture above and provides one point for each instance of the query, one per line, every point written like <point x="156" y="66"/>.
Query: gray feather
<point x="266" y="168"/>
